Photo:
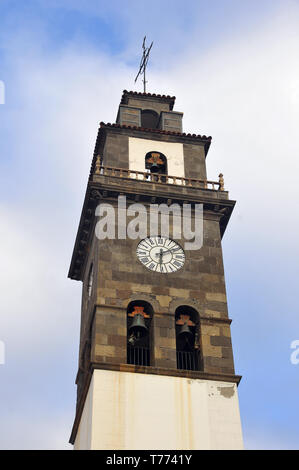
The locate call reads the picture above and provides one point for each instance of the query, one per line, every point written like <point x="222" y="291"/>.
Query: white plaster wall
<point x="138" y="411"/>
<point x="174" y="153"/>
<point x="83" y="438"/>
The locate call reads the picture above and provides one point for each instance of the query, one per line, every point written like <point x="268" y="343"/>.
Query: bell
<point x="185" y="331"/>
<point x="154" y="168"/>
<point x="138" y="326"/>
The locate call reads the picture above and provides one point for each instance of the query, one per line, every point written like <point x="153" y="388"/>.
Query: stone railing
<point x="159" y="178"/>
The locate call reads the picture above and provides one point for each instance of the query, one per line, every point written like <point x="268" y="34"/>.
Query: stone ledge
<point x="190" y="374"/>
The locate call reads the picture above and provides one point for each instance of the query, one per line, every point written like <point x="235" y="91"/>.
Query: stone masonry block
<point x="216" y="297"/>
<point x="164" y="300"/>
<point x="220" y="341"/>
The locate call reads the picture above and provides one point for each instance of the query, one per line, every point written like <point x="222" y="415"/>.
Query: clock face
<point x="160" y="254"/>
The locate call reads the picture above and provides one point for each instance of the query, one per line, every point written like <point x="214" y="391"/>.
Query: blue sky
<point x="234" y="67"/>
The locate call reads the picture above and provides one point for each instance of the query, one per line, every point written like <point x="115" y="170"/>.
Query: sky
<point x="234" y="68"/>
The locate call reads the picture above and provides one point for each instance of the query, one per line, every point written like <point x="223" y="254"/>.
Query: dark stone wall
<point x="116" y="150"/>
<point x="148" y="104"/>
<point x="88" y="301"/>
<point x="195" y="163"/>
<point x="200" y="284"/>
<point x="171" y="121"/>
<point x="129" y="116"/>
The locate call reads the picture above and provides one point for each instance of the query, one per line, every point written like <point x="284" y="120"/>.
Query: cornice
<point x="100" y="191"/>
<point x="202" y="138"/>
<point x="148" y="96"/>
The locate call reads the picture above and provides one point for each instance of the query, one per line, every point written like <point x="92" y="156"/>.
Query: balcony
<point x="145" y="176"/>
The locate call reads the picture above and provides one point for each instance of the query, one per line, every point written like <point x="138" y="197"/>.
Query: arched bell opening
<point x="187" y="330"/>
<point x="139" y="317"/>
<point x="149" y="119"/>
<point x="156" y="164"/>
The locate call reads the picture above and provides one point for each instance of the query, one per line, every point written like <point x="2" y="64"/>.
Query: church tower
<point x="155" y="367"/>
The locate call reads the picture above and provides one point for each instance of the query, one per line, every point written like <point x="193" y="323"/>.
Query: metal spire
<point x="143" y="63"/>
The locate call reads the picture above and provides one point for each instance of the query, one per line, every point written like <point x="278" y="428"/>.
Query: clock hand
<point x="171" y="250"/>
<point x="162" y="252"/>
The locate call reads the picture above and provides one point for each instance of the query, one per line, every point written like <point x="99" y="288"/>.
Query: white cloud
<point x="38" y="301"/>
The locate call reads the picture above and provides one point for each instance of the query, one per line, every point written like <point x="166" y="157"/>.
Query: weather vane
<point x="143" y="63"/>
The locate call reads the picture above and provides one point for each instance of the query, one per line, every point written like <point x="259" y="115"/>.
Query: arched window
<point x="90" y="281"/>
<point x="139" y="316"/>
<point x="149" y="119"/>
<point x="156" y="162"/>
<point x="187" y="330"/>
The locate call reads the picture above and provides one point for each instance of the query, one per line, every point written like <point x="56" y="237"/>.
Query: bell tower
<point x="155" y="367"/>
